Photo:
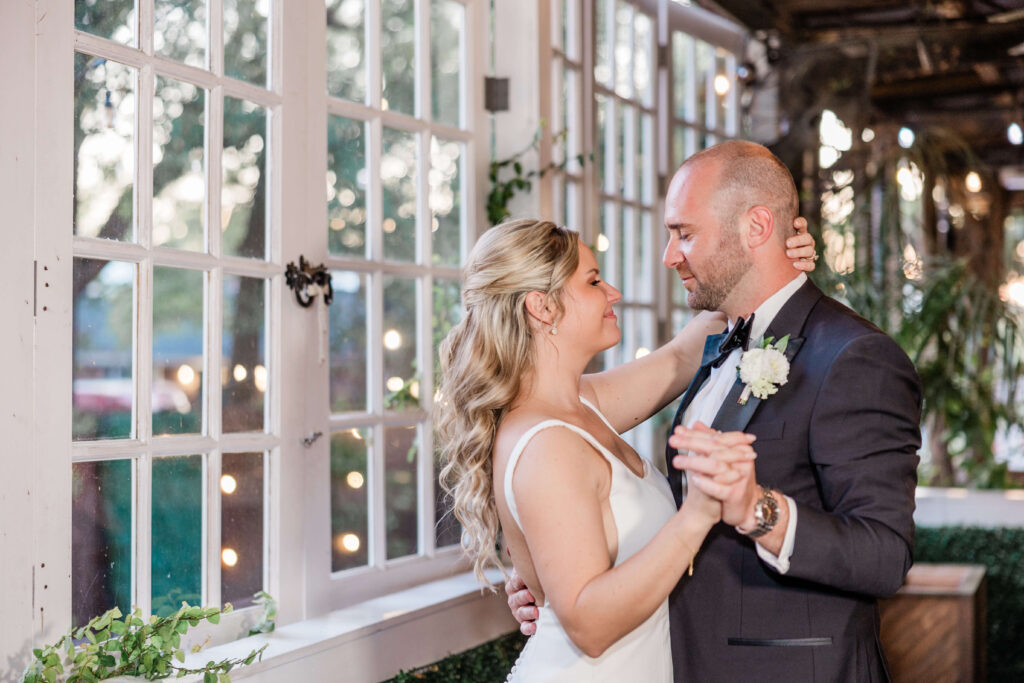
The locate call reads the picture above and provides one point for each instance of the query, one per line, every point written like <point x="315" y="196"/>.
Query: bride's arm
<point x="630" y="393"/>
<point x="559" y="484"/>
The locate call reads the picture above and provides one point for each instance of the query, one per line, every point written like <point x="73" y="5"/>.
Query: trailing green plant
<point x="267" y="622"/>
<point x="503" y="189"/>
<point x="110" y="646"/>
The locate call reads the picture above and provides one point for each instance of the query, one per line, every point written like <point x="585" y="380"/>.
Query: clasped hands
<point x="720" y="472"/>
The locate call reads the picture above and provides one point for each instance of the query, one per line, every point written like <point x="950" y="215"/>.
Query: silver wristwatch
<point x="766" y="513"/>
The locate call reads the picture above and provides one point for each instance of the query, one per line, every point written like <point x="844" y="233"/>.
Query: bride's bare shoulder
<point x="516" y="423"/>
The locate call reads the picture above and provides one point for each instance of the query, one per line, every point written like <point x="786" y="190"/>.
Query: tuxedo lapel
<point x="733" y="416"/>
<point x="711" y="345"/>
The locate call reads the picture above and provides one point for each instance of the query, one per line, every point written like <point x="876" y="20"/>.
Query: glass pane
<point x="177" y="532"/>
<point x="447" y="530"/>
<point x="350" y="530"/>
<point x="102" y="383"/>
<point x="348" y="342"/>
<point x="623" y="49"/>
<point x="177" y="351"/>
<point x="643" y="59"/>
<point x="243" y="220"/>
<point x="572" y="192"/>
<point x="398" y="181"/>
<point x="570" y="32"/>
<point x="241" y="527"/>
<point x="705" y="83"/>
<point x="447" y="25"/>
<point x="447" y="314"/>
<point x="400" y="449"/>
<point x="245" y="40"/>
<point x="602" y="64"/>
<point x="398" y="55"/>
<point x="622" y="123"/>
<point x="244" y="364"/>
<point x="113" y="19"/>
<point x="346" y="186"/>
<point x="601" y="104"/>
<point x="179" y="185"/>
<point x="179" y="30"/>
<point x="645" y="159"/>
<point x="446" y="201"/>
<point x="346" y="63"/>
<point x="401" y="378"/>
<point x="625" y="259"/>
<point x="678" y="146"/>
<point x="682" y="75"/>
<point x="647" y="263"/>
<point x="104" y="159"/>
<point x="101" y="538"/>
<point x="571" y="131"/>
<point x="602" y="240"/>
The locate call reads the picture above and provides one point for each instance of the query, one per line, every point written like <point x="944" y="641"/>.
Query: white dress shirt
<point x="709" y="399"/>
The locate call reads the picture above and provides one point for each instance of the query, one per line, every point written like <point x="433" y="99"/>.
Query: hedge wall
<point x="1000" y="550"/>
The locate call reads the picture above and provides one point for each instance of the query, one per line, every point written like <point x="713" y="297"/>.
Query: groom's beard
<point x="716" y="282"/>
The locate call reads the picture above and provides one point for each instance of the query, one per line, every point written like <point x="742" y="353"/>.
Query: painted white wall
<point x="969" y="507"/>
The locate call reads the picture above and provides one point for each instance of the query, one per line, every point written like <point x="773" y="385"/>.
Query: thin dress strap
<point x="513" y="458"/>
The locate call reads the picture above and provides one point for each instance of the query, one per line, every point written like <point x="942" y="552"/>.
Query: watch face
<point x="767" y="510"/>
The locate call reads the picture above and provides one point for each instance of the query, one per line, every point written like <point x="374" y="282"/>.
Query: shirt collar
<point x="766" y="312"/>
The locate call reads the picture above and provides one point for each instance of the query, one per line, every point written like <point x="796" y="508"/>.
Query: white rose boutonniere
<point x="763" y="370"/>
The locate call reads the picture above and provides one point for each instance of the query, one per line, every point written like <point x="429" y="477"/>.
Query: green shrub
<point x="489" y="662"/>
<point x="1001" y="550"/>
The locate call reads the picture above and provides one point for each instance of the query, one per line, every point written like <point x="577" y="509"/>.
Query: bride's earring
<point x="554" y="330"/>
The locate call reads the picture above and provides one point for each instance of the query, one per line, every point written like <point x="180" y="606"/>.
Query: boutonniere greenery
<point x="764" y="369"/>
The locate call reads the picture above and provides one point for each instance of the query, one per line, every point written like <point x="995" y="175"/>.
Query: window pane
<point x="179" y="186"/>
<point x="398" y="179"/>
<point x="179" y="30"/>
<point x="645" y="159"/>
<point x="241" y="527"/>
<point x="244" y="365"/>
<point x="398" y="55"/>
<point x="401" y="446"/>
<point x="678" y="146"/>
<point x="113" y="19"/>
<point x="346" y="186"/>
<point x="401" y="382"/>
<point x="446" y="201"/>
<point x="350" y="531"/>
<point x="447" y="24"/>
<point x="623" y="50"/>
<point x="177" y="532"/>
<point x="602" y="161"/>
<point x="643" y="59"/>
<point x="705" y="84"/>
<point x="622" y="122"/>
<point x="645" y="238"/>
<point x="682" y="77"/>
<point x="245" y="40"/>
<point x="102" y="378"/>
<point x="348" y="342"/>
<point x="244" y="193"/>
<point x="346" y="63"/>
<point x="177" y="351"/>
<point x="447" y="314"/>
<point x="602" y="64"/>
<point x="104" y="148"/>
<point x="101" y="538"/>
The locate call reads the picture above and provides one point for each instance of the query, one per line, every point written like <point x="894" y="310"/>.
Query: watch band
<point x="766" y="514"/>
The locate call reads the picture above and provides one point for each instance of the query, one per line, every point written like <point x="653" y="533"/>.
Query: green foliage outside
<point x="110" y="646"/>
<point x="1001" y="550"/>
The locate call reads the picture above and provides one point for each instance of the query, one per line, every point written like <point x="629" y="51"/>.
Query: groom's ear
<point x="760" y="226"/>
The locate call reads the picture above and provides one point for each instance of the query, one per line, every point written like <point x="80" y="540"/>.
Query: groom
<point x="785" y="588"/>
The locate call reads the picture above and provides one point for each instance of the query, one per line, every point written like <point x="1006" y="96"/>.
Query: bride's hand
<point x="725" y="472"/>
<point x="800" y="247"/>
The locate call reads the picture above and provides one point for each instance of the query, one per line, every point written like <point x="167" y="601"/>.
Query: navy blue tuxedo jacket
<point x="841" y="438"/>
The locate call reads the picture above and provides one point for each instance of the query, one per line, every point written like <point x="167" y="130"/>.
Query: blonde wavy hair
<point x="484" y="359"/>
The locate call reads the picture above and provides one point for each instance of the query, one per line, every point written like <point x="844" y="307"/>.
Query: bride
<point x="530" y="445"/>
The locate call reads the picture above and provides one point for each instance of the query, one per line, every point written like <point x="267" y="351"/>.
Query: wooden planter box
<point x="933" y="629"/>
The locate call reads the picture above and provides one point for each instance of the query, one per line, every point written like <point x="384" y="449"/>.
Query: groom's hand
<point x="721" y="465"/>
<point x="522" y="604"/>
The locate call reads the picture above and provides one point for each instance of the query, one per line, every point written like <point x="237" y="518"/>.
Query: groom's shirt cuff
<point x="781" y="563"/>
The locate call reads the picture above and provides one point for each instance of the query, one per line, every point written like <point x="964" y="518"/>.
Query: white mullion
<point x="112" y="250"/>
<point x="390" y="267"/>
<point x="212" y="590"/>
<point x="374" y="81"/>
<point x="182" y="258"/>
<point x="214" y="173"/>
<point x="145" y="9"/>
<point x="238" y="265"/>
<point x="144" y="158"/>
<point x="253" y="93"/>
<point x="143" y="420"/>
<point x="94" y="451"/>
<point x="376" y="476"/>
<point x="421" y="60"/>
<point x="424" y="212"/>
<point x="375" y="454"/>
<point x="180" y="444"/>
<point x="425" y="358"/>
<point x="248" y="442"/>
<point x="406" y="418"/>
<point x="374" y="201"/>
<point x="630" y="188"/>
<point x="215" y="37"/>
<point x="545" y="90"/>
<point x="732" y="112"/>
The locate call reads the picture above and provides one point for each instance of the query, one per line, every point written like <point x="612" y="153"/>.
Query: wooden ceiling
<point x="955" y="66"/>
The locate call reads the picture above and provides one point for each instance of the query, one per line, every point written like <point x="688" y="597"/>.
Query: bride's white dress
<point x="640" y="507"/>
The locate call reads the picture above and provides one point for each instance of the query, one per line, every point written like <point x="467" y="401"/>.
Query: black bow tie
<point x="738" y="338"/>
